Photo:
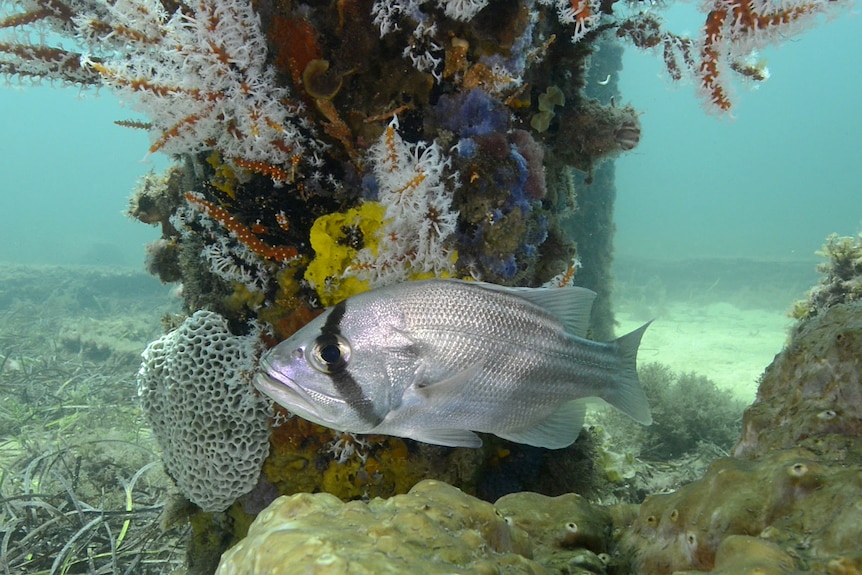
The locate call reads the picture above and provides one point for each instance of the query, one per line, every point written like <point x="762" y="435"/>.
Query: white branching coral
<point x="346" y="446"/>
<point x="213" y="428"/>
<point x="392" y="15"/>
<point x="583" y="14"/>
<point x="424" y="52"/>
<point x="463" y="10"/>
<point x="387" y="13"/>
<point x="199" y="74"/>
<point x="415" y="186"/>
<point x="227" y="258"/>
<point x="201" y="77"/>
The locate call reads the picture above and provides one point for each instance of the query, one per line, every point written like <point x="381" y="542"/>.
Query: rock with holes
<point x="787" y="498"/>
<point x="811" y="395"/>
<point x="569" y="534"/>
<point x="213" y="428"/>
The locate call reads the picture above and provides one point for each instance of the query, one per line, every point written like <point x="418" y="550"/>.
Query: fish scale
<point x="437" y="360"/>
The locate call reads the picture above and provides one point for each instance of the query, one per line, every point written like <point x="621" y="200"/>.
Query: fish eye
<point x="329" y="353"/>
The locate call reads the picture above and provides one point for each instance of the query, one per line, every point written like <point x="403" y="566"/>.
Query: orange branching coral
<point x="27" y="61"/>
<point x="20" y="58"/>
<point x="277" y="173"/>
<point x="584" y="14"/>
<point x="710" y="54"/>
<point x="566" y="278"/>
<point x="391" y="140"/>
<point x="735" y="28"/>
<point x="38" y="11"/>
<point x="240" y="231"/>
<point x="732" y="33"/>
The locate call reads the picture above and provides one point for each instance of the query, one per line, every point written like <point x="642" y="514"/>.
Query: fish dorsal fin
<point x="447" y="437"/>
<point x="570" y="305"/>
<point x="559" y="430"/>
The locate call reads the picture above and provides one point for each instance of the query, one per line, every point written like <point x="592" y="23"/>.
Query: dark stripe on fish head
<point x="343" y="380"/>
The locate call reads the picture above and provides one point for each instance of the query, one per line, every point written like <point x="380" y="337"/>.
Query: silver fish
<point x="436" y="360"/>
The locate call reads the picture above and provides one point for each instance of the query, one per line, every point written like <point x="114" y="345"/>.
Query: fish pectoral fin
<point x="434" y="390"/>
<point x="398" y="339"/>
<point x="559" y="430"/>
<point x="448" y="437"/>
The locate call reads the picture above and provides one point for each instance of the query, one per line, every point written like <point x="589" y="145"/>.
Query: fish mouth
<point x="287" y="393"/>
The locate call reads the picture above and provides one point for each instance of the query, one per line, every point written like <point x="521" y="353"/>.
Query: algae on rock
<point x="794" y="486"/>
<point x="433" y="529"/>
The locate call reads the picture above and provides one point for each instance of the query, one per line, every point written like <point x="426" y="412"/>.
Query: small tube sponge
<point x="213" y="429"/>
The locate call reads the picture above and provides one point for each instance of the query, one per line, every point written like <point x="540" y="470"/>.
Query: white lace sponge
<point x="213" y="428"/>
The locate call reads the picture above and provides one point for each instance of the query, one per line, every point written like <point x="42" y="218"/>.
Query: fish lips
<point x="291" y="395"/>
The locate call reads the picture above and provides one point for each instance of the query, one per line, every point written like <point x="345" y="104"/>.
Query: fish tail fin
<point x="628" y="395"/>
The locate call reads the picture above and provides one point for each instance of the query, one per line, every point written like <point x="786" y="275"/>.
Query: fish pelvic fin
<point x="628" y="394"/>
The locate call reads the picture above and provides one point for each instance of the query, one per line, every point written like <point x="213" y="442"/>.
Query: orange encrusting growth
<point x="240" y="231"/>
<point x="296" y="43"/>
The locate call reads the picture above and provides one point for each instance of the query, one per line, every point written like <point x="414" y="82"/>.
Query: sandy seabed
<point x="723" y="319"/>
<point x="729" y="345"/>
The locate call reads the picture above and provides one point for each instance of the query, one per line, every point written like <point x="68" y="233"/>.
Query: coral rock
<point x="741" y="554"/>
<point x="786" y="498"/>
<point x="815" y="383"/>
<point x="790" y="499"/>
<point x="433" y="529"/>
<point x="566" y="531"/>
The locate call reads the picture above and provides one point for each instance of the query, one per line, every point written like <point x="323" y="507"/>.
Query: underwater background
<point x="767" y="185"/>
<point x="770" y="184"/>
<point x="718" y="221"/>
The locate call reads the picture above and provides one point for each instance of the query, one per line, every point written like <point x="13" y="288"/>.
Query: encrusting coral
<point x="815" y="383"/>
<point x="434" y="529"/>
<point x="795" y="481"/>
<point x="786" y="499"/>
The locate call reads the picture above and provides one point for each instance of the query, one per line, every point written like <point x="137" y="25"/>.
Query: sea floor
<point x="728" y="344"/>
<point x="82" y="488"/>
<point x="723" y="319"/>
<point x="81" y="485"/>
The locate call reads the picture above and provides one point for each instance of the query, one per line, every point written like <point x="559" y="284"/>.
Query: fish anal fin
<point x="448" y="437"/>
<point x="559" y="430"/>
